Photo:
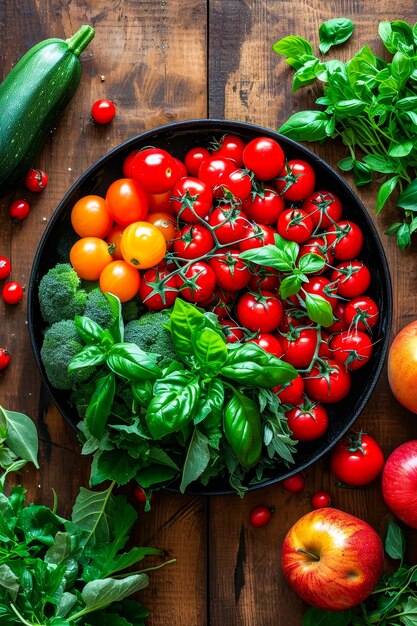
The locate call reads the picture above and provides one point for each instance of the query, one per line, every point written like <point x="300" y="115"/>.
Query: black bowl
<point x="178" y="138"/>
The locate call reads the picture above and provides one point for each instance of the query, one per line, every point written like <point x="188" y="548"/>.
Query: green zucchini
<point x="32" y="96"/>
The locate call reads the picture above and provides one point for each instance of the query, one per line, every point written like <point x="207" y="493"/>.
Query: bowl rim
<point x="226" y="125"/>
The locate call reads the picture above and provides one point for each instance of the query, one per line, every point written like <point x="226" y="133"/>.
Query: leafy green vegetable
<point x="370" y="105"/>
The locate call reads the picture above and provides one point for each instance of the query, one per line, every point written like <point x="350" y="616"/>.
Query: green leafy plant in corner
<point x="370" y="104"/>
<point x="18" y="442"/>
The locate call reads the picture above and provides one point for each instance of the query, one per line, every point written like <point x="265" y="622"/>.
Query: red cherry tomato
<point x="213" y="171"/>
<point x="327" y="382"/>
<point x="296" y="180"/>
<point x="230" y="224"/>
<point x="236" y="183"/>
<point x="295" y="225"/>
<point x="194" y="158"/>
<point x="264" y="157"/>
<point x="19" y="210"/>
<point x="307" y="422"/>
<point x="103" y="111"/>
<point x="229" y="147"/>
<point x="231" y="272"/>
<point x="4" y="358"/>
<point x="232" y="332"/>
<point x="154" y="170"/>
<point x="321" y="286"/>
<point x="351" y="348"/>
<point x="323" y="207"/>
<point x="269" y="343"/>
<point x="5" y="267"/>
<point x="158" y="290"/>
<point x="12" y="292"/>
<point x="318" y="246"/>
<point x="361" y="313"/>
<point x="191" y="199"/>
<point x="36" y="180"/>
<point x="198" y="282"/>
<point x="264" y="208"/>
<point x="262" y="312"/>
<point x="193" y="241"/>
<point x="357" y="459"/>
<point x="299" y="346"/>
<point x="258" y="235"/>
<point x="294" y="484"/>
<point x="352" y="278"/>
<point x="345" y="240"/>
<point x="265" y="279"/>
<point x="339" y="314"/>
<point x="292" y="392"/>
<point x="140" y="495"/>
<point x="260" y="516"/>
<point x="320" y="499"/>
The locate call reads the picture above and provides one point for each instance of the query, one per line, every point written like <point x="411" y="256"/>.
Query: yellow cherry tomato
<point x="142" y="245"/>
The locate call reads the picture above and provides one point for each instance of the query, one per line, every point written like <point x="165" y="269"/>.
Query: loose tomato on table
<point x="260" y="312"/>
<point x="230" y="147"/>
<point x="120" y="279"/>
<point x="89" y="256"/>
<point x="103" y="111"/>
<point x="307" y="422"/>
<point x="158" y="288"/>
<point x="142" y="245"/>
<point x="296" y="181"/>
<point x="5" y="267"/>
<point x="36" y="180"/>
<point x="264" y="157"/>
<point x="197" y="282"/>
<point x="294" y="484"/>
<point x="193" y="241"/>
<point x="4" y="358"/>
<point x="351" y="348"/>
<point x="126" y="202"/>
<point x="19" y="210"/>
<point x="260" y="516"/>
<point x="12" y="292"/>
<point x="295" y="225"/>
<point x="351" y="278"/>
<point x="357" y="459"/>
<point x="154" y="170"/>
<point x="323" y="207"/>
<point x="328" y="381"/>
<point x="320" y="500"/>
<point x="91" y="218"/>
<point x="191" y="199"/>
<point x="232" y="274"/>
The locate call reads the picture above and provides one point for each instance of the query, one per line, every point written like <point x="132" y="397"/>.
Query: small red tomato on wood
<point x="5" y="267"/>
<point x="320" y="499"/>
<point x="260" y="515"/>
<point x="103" y="111"/>
<point x="19" y="210"/>
<point x="4" y="358"/>
<point x="294" y="484"/>
<point x="36" y="180"/>
<point x="357" y="459"/>
<point x="12" y="292"/>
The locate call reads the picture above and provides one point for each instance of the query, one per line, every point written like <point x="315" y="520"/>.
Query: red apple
<point x="399" y="483"/>
<point x="331" y="559"/>
<point x="402" y="367"/>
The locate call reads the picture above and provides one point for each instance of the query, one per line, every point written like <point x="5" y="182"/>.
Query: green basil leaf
<point x="197" y="459"/>
<point x="100" y="405"/>
<point x="289" y="286"/>
<point x="306" y="126"/>
<point x="21" y="435"/>
<point x="362" y="174"/>
<point x="408" y="198"/>
<point x="117" y="327"/>
<point x="131" y="362"/>
<point x="407" y="104"/>
<point x="334" y="32"/>
<point x="395" y="542"/>
<point x="362" y="67"/>
<point x="293" y="47"/>
<point x="393" y="229"/>
<point x="399" y="150"/>
<point x="346" y="165"/>
<point x="215" y="395"/>
<point x="210" y="350"/>
<point x="379" y="164"/>
<point x="384" y="192"/>
<point x="142" y="391"/>
<point x="250" y="364"/>
<point x="152" y="475"/>
<point x="409" y="611"/>
<point x="346" y="108"/>
<point x="174" y="403"/>
<point x="185" y="322"/>
<point x="318" y="617"/>
<point x="87" y="357"/>
<point x="280" y="256"/>
<point x="404" y="236"/>
<point x="318" y="309"/>
<point x="396" y="35"/>
<point x="307" y="73"/>
<point x="311" y="263"/>
<point x="89" y="331"/>
<point x="411" y="116"/>
<point x="243" y="428"/>
<point x="401" y="68"/>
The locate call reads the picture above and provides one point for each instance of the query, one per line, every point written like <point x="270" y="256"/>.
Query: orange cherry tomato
<point x="160" y="202"/>
<point x="89" y="256"/>
<point x="126" y="202"/>
<point x="120" y="279"/>
<point x="114" y="237"/>
<point x="166" y="223"/>
<point x="90" y="217"/>
<point x="143" y="245"/>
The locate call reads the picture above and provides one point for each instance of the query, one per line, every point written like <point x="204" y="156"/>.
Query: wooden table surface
<point x="165" y="61"/>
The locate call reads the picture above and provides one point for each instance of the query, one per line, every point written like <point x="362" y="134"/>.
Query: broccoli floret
<point x="148" y="333"/>
<point x="60" y="344"/>
<point x="60" y="294"/>
<point x="98" y="308"/>
<point x="130" y="310"/>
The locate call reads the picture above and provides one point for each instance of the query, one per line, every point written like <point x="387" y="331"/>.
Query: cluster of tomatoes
<point x="173" y="228"/>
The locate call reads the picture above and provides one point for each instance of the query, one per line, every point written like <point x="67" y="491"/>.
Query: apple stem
<point x="311" y="554"/>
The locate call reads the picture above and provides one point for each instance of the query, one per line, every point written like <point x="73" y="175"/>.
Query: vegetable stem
<point x="80" y="40"/>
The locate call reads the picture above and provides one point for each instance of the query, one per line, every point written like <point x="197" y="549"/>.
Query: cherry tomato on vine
<point x="89" y="256"/>
<point x="345" y="240"/>
<point x="90" y="217"/>
<point x="324" y="348"/>
<point x="265" y="279"/>
<point x="5" y="267"/>
<point x="114" y="238"/>
<point x="230" y="224"/>
<point x="361" y="313"/>
<point x="351" y="348"/>
<point x="232" y="274"/>
<point x="296" y="180"/>
<point x="264" y="208"/>
<point x="12" y="292"/>
<point x="339" y="314"/>
<point x="352" y="278"/>
<point x="155" y="170"/>
<point x="126" y="202"/>
<point x="259" y="312"/>
<point x="269" y="343"/>
<point x="140" y="495"/>
<point x="318" y="246"/>
<point x="320" y="499"/>
<point x="36" y="180"/>
<point x="191" y="199"/>
<point x="194" y="158"/>
<point x="258" y="235"/>
<point x="294" y="484"/>
<point x="292" y="392"/>
<point x="212" y="172"/>
<point x="237" y="183"/>
<point x="230" y="147"/>
<point x="295" y="225"/>
<point x="165" y="222"/>
<point x="323" y="207"/>
<point x="193" y="241"/>
<point x="321" y="286"/>
<point x="357" y="459"/>
<point x="264" y="157"/>
<point x="307" y="422"/>
<point x="232" y="332"/>
<point x="260" y="516"/>
<point x="197" y="283"/>
<point x="120" y="279"/>
<point x="221" y="303"/>
<point x="19" y="210"/>
<point x="299" y="346"/>
<point x="181" y="170"/>
<point x="103" y="111"/>
<point x="327" y="382"/>
<point x="4" y="358"/>
<point x="142" y="245"/>
<point x="158" y="289"/>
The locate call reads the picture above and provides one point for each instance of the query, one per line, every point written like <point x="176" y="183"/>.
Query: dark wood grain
<point x="163" y="61"/>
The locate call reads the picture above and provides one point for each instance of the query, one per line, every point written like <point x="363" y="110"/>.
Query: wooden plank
<point x="249" y="82"/>
<point x="141" y="59"/>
